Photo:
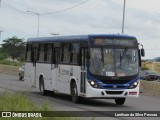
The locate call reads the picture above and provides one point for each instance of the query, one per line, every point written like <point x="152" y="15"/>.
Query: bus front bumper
<point x="111" y="93"/>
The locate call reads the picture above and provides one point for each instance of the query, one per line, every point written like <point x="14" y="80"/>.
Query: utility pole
<point x="0" y="4"/>
<point x="38" y="15"/>
<point x="124" y="6"/>
<point x="38" y="25"/>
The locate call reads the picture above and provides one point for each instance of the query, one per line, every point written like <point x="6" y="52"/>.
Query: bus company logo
<point x="6" y="114"/>
<point x="114" y="86"/>
<point x="126" y="85"/>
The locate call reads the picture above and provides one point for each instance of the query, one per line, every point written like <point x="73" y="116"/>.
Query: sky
<point x="142" y="19"/>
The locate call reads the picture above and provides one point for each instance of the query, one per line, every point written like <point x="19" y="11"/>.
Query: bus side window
<point x="48" y="52"/>
<point x="41" y="53"/>
<point x="28" y="53"/>
<point x="65" y="53"/>
<point x="75" y="49"/>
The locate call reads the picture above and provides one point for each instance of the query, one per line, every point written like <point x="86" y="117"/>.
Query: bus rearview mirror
<point x="142" y="52"/>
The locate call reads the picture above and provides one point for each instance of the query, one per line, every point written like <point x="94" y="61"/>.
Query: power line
<point x="65" y="9"/>
<point x="38" y="14"/>
<point x="59" y="11"/>
<point x="14" y="8"/>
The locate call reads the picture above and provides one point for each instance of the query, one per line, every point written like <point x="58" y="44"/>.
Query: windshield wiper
<point x="122" y="56"/>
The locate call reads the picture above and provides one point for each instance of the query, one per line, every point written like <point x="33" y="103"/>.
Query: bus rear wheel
<point x="41" y="87"/>
<point x="74" y="93"/>
<point x="120" y="101"/>
<point x="20" y="77"/>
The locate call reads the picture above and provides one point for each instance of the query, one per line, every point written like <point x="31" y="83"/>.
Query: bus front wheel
<point x="74" y="93"/>
<point x="120" y="101"/>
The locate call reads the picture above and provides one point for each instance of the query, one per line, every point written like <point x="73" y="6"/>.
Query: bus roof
<point x="74" y="38"/>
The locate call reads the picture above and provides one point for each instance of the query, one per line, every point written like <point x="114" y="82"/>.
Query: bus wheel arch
<point x="74" y="91"/>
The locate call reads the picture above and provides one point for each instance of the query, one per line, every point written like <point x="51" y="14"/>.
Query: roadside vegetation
<point x="144" y="68"/>
<point x="12" y="51"/>
<point x="19" y="102"/>
<point x="7" y="62"/>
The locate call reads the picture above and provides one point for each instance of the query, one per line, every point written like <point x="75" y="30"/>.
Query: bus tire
<point x="20" y="78"/>
<point x="74" y="93"/>
<point x="120" y="101"/>
<point x="41" y="87"/>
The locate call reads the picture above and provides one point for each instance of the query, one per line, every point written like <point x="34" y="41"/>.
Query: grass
<point x="19" y="102"/>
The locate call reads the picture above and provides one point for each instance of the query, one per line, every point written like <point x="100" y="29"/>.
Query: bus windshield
<point x="113" y="62"/>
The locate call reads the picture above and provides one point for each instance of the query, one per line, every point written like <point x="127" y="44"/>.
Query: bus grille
<point x="115" y="81"/>
<point x="114" y="92"/>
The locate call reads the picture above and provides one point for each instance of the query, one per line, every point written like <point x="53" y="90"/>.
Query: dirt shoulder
<point x="8" y="69"/>
<point x="150" y="88"/>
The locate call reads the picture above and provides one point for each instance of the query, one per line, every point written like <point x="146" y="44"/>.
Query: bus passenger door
<point x="33" y="70"/>
<point x="55" y="67"/>
<point x="83" y="70"/>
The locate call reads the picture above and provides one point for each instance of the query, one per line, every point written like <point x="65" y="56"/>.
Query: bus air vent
<point x="114" y="92"/>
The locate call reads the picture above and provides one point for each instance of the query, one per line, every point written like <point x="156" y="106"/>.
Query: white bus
<point x="85" y="66"/>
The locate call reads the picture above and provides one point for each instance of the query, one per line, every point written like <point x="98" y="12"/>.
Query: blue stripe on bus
<point x="125" y="86"/>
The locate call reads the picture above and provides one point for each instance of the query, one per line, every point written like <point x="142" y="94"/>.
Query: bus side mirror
<point x="142" y="52"/>
<point x="139" y="54"/>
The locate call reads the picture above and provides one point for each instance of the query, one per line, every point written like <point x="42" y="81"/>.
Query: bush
<point x="6" y="62"/>
<point x="144" y="68"/>
<point x="21" y="58"/>
<point x="3" y="56"/>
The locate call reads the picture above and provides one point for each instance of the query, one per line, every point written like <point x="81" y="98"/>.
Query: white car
<point x="21" y="72"/>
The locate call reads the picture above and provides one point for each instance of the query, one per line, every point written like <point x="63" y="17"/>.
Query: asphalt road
<point x="60" y="102"/>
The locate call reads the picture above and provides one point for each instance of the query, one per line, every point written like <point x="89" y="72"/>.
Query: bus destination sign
<point x="123" y="42"/>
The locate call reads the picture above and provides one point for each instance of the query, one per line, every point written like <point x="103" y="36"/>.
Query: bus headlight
<point x="134" y="85"/>
<point x="94" y="84"/>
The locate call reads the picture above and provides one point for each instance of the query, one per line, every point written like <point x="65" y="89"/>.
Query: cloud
<point x="96" y="16"/>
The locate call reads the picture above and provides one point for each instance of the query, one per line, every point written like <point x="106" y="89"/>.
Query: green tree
<point x="3" y="55"/>
<point x="158" y="59"/>
<point x="14" y="47"/>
